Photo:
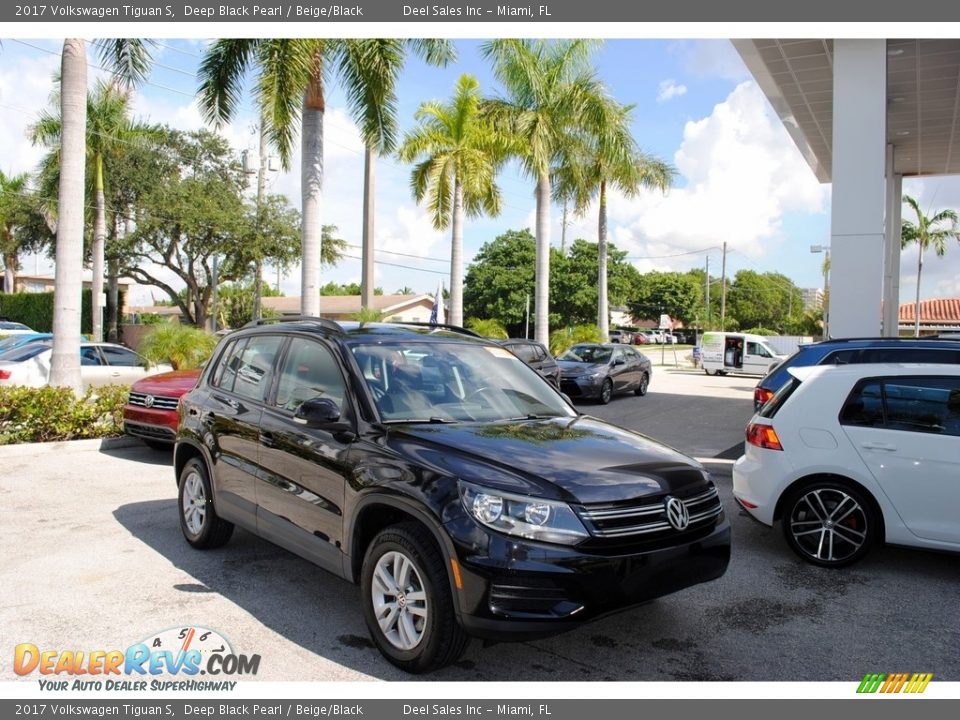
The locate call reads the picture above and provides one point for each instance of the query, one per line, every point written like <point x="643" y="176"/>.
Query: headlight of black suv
<point x="527" y="517"/>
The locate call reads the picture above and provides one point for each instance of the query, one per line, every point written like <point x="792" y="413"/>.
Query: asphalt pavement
<point x="94" y="559"/>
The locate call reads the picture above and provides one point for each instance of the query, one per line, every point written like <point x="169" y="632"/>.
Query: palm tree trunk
<point x="603" y="311"/>
<point x="65" y="357"/>
<point x="541" y="332"/>
<point x="9" y="272"/>
<point x="311" y="181"/>
<point x="113" y="300"/>
<point x="455" y="310"/>
<point x="916" y="309"/>
<point x="369" y="180"/>
<point x="261" y="189"/>
<point x="99" y="241"/>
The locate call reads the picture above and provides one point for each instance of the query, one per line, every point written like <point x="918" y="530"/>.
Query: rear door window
<point x="254" y="367"/>
<point x="912" y="404"/>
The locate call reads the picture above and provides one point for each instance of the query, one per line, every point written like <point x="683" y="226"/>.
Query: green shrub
<point x="35" y="310"/>
<point x="51" y="414"/>
<point x="565" y="338"/>
<point x="488" y="328"/>
<point x="182" y="346"/>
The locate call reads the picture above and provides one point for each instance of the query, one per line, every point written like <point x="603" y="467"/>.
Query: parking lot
<point x="94" y="559"/>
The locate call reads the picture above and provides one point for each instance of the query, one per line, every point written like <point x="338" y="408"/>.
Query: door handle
<point x="879" y="446"/>
<point x="227" y="401"/>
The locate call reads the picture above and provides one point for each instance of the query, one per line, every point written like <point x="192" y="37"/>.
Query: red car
<point x="151" y="410"/>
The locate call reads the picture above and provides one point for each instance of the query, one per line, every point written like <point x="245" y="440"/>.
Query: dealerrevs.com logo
<point x="184" y="653"/>
<point x="889" y="683"/>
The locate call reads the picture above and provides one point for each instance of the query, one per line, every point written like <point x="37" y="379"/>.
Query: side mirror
<point x="619" y="361"/>
<point x="317" y="412"/>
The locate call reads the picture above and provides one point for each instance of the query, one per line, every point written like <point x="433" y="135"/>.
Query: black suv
<point x="451" y="481"/>
<point x="536" y="356"/>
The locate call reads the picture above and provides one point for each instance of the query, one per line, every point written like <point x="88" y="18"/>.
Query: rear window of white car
<point x="912" y="404"/>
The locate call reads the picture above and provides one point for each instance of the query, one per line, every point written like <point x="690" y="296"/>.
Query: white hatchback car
<point x="847" y="456"/>
<point x="100" y="364"/>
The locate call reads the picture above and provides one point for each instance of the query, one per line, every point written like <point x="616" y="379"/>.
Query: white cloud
<point x="739" y="174"/>
<point x="669" y="89"/>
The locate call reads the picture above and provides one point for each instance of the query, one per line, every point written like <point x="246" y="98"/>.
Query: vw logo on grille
<point x="148" y="401"/>
<point x="677" y="514"/>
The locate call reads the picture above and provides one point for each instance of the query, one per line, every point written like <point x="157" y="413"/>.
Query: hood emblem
<point x="148" y="401"/>
<point x="677" y="514"/>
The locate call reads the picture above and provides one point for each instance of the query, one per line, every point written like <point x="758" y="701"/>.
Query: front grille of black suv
<point x="644" y="521"/>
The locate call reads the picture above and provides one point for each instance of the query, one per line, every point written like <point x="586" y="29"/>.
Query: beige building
<point x="396" y="308"/>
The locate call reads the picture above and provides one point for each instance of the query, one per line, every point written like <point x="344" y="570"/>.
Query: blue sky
<point x="741" y="180"/>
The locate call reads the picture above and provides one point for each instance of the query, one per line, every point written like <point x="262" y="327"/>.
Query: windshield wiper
<point x="535" y="416"/>
<point x="433" y="420"/>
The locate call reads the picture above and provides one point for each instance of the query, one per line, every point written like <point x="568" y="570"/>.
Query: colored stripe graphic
<point x="894" y="683"/>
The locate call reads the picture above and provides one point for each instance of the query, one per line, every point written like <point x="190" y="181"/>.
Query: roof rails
<point x="442" y="326"/>
<point x="325" y="323"/>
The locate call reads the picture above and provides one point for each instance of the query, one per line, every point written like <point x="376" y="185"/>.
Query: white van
<point x="724" y="352"/>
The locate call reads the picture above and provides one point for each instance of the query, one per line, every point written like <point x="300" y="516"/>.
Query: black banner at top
<point x="486" y="11"/>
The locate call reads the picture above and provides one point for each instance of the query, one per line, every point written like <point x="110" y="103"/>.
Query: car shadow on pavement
<point x="143" y="454"/>
<point x="321" y="613"/>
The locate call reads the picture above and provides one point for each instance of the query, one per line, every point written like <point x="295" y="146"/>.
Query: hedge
<point x="50" y="414"/>
<point x="36" y="310"/>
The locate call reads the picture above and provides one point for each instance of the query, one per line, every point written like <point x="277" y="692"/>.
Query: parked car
<point x="849" y="456"/>
<point x="15" y="341"/>
<point x="443" y="475"/>
<point x="640" y="339"/>
<point x="151" y="410"/>
<point x="536" y="356"/>
<point x="100" y="364"/>
<point x="591" y="370"/>
<point x="741" y="353"/>
<point x="9" y="327"/>
<point x="620" y="336"/>
<point x="857" y="350"/>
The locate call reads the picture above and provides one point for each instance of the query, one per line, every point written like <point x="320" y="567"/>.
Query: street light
<point x="826" y="284"/>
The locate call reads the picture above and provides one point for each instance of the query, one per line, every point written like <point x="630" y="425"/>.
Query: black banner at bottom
<point x="610" y="709"/>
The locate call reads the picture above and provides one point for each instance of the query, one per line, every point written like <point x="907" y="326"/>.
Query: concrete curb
<point x="34" y="449"/>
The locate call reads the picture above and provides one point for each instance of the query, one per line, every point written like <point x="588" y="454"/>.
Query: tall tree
<point x="291" y="77"/>
<point x="548" y="87"/>
<point x="110" y="131"/>
<point x="22" y="228"/>
<point x="928" y="231"/>
<point x="606" y="156"/>
<point x="457" y="154"/>
<point x="68" y="282"/>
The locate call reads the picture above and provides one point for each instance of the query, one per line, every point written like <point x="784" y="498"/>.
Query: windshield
<point x="24" y="352"/>
<point x="454" y="382"/>
<point x="587" y="354"/>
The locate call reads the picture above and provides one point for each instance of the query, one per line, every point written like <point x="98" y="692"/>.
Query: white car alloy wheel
<point x="399" y="600"/>
<point x="194" y="503"/>
<point x="828" y="524"/>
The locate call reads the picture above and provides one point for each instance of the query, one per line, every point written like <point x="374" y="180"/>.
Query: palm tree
<point x="548" y="88"/>
<point x="109" y="130"/>
<point x="606" y="156"/>
<point x="290" y="85"/>
<point x="12" y="189"/>
<point x="927" y="231"/>
<point x="129" y="59"/>
<point x="459" y="153"/>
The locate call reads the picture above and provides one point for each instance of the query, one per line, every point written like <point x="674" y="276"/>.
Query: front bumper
<point x="581" y="386"/>
<point x="150" y="424"/>
<point x="515" y="589"/>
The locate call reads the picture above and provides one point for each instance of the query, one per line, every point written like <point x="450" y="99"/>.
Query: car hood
<point x="578" y="459"/>
<point x="169" y="384"/>
<point x="572" y="367"/>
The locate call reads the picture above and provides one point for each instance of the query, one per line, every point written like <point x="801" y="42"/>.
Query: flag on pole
<point x="436" y="313"/>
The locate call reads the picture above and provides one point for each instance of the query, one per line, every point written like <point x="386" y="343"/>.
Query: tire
<point x="199" y="522"/>
<point x="811" y="530"/>
<point x="430" y="637"/>
<point x="159" y="445"/>
<point x="641" y="389"/>
<point x="710" y="372"/>
<point x="606" y="392"/>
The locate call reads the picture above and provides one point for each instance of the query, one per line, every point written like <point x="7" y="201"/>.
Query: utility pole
<point x="723" y="289"/>
<point x="261" y="188"/>
<point x="706" y="320"/>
